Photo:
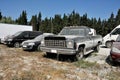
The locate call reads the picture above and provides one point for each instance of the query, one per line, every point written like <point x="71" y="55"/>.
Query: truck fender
<point x="81" y="45"/>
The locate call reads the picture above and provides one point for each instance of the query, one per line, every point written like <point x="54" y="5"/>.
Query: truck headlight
<point x="70" y="44"/>
<point x="116" y="50"/>
<point x="31" y="43"/>
<point x="42" y="43"/>
<point x="10" y="39"/>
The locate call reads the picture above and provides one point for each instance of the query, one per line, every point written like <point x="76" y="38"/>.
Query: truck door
<point x="89" y="40"/>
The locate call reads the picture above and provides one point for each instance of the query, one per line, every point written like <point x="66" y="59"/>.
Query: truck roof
<point x="77" y="27"/>
<point x="118" y="26"/>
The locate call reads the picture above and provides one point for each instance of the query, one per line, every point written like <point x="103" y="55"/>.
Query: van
<point x="111" y="37"/>
<point x="16" y="39"/>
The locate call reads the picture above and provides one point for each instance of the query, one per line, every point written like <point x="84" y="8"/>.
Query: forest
<point x="56" y="23"/>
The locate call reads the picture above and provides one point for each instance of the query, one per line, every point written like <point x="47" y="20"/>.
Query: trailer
<point x="10" y="29"/>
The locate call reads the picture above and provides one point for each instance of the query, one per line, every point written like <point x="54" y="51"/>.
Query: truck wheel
<point x="38" y="48"/>
<point x="17" y="45"/>
<point x="48" y="54"/>
<point x="108" y="44"/>
<point x="97" y="48"/>
<point x="80" y="53"/>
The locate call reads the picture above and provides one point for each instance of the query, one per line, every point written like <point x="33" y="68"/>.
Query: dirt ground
<point x="16" y="64"/>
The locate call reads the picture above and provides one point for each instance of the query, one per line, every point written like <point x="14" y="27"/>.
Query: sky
<point x="48" y="8"/>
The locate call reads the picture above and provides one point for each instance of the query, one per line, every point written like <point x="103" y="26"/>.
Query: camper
<point x="10" y="29"/>
<point x="111" y="37"/>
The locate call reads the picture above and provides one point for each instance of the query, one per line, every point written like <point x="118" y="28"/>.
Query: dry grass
<point x="16" y="64"/>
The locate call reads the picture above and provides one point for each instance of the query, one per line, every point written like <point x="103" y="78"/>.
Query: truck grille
<point x="55" y="42"/>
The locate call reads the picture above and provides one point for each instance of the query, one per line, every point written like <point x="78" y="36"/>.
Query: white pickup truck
<point x="111" y="37"/>
<point x="73" y="40"/>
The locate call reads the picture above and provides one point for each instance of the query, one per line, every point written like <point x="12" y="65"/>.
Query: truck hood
<point x="71" y="36"/>
<point x="67" y="37"/>
<point x="31" y="41"/>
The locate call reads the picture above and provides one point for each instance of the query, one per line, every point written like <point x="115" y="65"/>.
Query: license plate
<point x="24" y="46"/>
<point x="54" y="51"/>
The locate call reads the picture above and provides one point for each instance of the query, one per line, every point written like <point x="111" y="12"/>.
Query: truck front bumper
<point x="65" y="51"/>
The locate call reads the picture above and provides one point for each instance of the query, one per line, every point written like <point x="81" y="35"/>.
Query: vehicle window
<point x="87" y="31"/>
<point x="18" y="33"/>
<point x="116" y="31"/>
<point x="118" y="38"/>
<point x="25" y="34"/>
<point x="67" y="31"/>
<point x="34" y="34"/>
<point x="38" y="37"/>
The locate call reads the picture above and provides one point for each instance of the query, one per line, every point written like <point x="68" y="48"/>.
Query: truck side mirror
<point x="110" y="34"/>
<point x="90" y="33"/>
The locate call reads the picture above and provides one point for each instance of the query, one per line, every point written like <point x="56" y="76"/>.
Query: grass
<point x="85" y="64"/>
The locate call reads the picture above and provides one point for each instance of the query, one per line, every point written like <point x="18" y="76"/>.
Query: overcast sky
<point x="48" y="8"/>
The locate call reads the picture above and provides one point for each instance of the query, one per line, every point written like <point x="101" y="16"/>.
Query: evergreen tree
<point x="118" y="18"/>
<point x="65" y="20"/>
<point x="99" y="27"/>
<point x="57" y="24"/>
<point x="7" y="20"/>
<point x="22" y="19"/>
<point x="39" y="21"/>
<point x="111" y="23"/>
<point x="34" y="22"/>
<point x="0" y="15"/>
<point x="74" y="19"/>
<point x="83" y="20"/>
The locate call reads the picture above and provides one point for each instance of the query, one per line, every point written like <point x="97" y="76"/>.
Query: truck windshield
<point x="38" y="37"/>
<point x="16" y="34"/>
<point x="67" y="31"/>
<point x="116" y="31"/>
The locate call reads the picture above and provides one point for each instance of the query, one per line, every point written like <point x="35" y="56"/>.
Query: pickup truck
<point x="73" y="40"/>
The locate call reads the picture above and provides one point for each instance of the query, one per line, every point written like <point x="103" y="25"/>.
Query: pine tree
<point x="22" y="19"/>
<point x="118" y="18"/>
<point x="34" y="22"/>
<point x="83" y="20"/>
<point x="0" y="15"/>
<point x="57" y="24"/>
<point x="65" y="20"/>
<point x="39" y="21"/>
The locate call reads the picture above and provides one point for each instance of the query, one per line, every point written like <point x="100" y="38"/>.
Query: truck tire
<point x="38" y="48"/>
<point x="108" y="44"/>
<point x="97" y="48"/>
<point x="16" y="44"/>
<point x="80" y="54"/>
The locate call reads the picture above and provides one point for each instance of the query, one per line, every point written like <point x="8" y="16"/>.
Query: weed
<point x="84" y="64"/>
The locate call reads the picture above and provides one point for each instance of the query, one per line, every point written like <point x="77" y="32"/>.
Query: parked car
<point x="16" y="39"/>
<point x="34" y="44"/>
<point x="73" y="40"/>
<point x="115" y="51"/>
<point x="111" y="37"/>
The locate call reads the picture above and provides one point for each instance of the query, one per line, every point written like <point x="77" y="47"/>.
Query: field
<point x="16" y="64"/>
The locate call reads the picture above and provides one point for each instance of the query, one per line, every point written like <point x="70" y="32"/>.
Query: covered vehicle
<point x="34" y="44"/>
<point x="115" y="51"/>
